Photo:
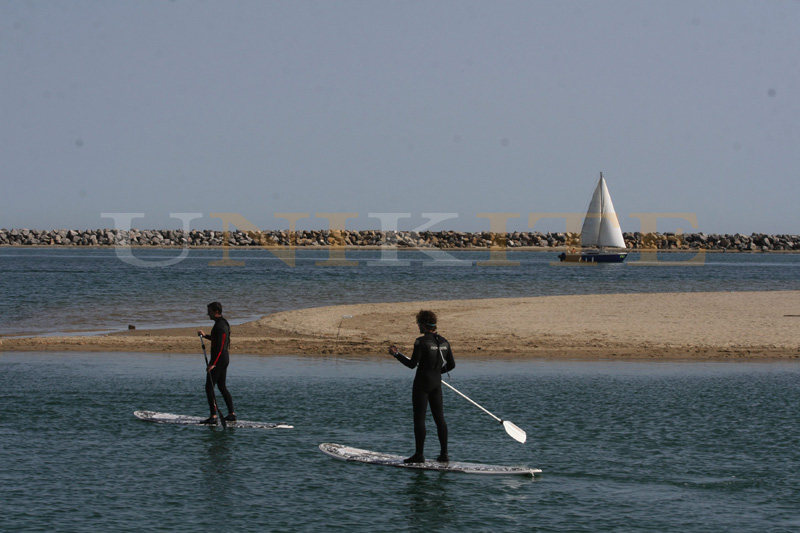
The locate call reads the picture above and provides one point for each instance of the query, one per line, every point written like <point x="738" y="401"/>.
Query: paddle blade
<point x="516" y="433"/>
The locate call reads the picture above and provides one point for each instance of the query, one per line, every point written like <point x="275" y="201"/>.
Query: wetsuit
<point x="220" y="342"/>
<point x="432" y="357"/>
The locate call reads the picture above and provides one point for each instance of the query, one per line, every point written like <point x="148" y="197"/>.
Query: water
<point x="53" y="290"/>
<point x="624" y="447"/>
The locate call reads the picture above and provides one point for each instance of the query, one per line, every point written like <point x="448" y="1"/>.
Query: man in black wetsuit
<point x="432" y="357"/>
<point x="220" y="338"/>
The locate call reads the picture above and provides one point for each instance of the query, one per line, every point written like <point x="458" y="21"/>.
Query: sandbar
<point x="762" y="325"/>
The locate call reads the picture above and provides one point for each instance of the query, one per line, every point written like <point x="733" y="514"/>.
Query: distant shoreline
<point x="379" y="248"/>
<point x="400" y="240"/>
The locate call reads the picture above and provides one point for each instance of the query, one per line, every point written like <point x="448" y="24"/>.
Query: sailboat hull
<point x="593" y="257"/>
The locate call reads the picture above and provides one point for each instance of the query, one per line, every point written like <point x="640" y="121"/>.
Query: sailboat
<point x="600" y="231"/>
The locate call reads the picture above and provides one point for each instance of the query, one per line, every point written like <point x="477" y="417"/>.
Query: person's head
<point x="214" y="309"/>
<point x="426" y="320"/>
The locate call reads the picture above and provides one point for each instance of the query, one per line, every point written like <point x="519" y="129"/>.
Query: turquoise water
<point x="623" y="447"/>
<point x="52" y="290"/>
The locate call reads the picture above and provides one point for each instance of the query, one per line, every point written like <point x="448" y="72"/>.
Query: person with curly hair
<point x="432" y="357"/>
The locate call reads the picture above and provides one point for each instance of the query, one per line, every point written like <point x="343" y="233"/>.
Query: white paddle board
<point x="347" y="453"/>
<point x="169" y="418"/>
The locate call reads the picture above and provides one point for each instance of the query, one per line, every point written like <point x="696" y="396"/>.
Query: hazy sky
<point x="461" y="107"/>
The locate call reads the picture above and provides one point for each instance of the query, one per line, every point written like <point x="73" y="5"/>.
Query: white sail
<point x="601" y="226"/>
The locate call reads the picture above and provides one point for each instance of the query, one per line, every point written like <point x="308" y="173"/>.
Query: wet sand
<point x="668" y="326"/>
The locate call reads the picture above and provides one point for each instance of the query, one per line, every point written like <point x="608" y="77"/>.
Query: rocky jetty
<point x="756" y="242"/>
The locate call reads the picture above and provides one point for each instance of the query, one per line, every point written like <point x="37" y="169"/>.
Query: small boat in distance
<point x="600" y="231"/>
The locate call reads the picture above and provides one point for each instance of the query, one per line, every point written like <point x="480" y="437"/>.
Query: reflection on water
<point x="217" y="468"/>
<point x="426" y="501"/>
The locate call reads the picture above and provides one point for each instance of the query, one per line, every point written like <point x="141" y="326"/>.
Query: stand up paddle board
<point x="346" y="453"/>
<point x="169" y="418"/>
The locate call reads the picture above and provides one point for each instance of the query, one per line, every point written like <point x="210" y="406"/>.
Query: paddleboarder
<point x="217" y="370"/>
<point x="432" y="357"/>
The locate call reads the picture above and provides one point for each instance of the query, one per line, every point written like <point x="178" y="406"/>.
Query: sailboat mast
<point x="602" y="212"/>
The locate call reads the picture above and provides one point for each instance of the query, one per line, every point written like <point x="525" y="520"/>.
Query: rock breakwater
<point x="756" y="242"/>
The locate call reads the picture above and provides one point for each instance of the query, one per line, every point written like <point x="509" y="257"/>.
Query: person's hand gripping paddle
<point x="213" y="394"/>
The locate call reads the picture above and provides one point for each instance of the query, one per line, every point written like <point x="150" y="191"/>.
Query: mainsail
<point x="601" y="226"/>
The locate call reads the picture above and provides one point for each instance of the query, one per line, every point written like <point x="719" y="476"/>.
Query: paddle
<point x="216" y="409"/>
<point x="515" y="432"/>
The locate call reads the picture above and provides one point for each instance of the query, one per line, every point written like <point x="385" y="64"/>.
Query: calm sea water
<point x="52" y="290"/>
<point x="624" y="447"/>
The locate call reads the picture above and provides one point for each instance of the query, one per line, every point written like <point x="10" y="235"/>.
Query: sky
<point x="401" y="115"/>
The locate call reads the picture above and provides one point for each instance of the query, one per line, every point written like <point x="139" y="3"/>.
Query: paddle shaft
<point x="213" y="394"/>
<point x="461" y="393"/>
<point x="471" y="401"/>
<point x="515" y="432"/>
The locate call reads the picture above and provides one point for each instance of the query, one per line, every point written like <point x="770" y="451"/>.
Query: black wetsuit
<point x="220" y="342"/>
<point x="432" y="357"/>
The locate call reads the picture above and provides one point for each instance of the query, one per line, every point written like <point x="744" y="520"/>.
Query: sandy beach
<point x="685" y="326"/>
